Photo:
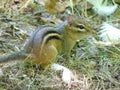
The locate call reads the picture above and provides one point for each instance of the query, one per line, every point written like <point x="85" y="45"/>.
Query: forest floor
<point x="96" y="67"/>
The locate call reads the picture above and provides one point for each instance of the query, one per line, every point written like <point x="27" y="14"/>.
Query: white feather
<point x="109" y="34"/>
<point x="67" y="75"/>
<point x="103" y="8"/>
<point x="95" y="3"/>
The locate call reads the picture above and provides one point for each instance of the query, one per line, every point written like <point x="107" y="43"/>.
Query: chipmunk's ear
<point x="67" y="17"/>
<point x="71" y="18"/>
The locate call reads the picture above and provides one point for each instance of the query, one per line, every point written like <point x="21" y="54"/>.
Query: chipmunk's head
<point x="78" y="28"/>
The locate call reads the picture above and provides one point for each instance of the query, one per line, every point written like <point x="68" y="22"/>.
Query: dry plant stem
<point x="26" y="4"/>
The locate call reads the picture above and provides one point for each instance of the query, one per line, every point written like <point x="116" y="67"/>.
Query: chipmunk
<point x="46" y="42"/>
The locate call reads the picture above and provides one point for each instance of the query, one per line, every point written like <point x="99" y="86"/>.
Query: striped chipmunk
<point x="48" y="41"/>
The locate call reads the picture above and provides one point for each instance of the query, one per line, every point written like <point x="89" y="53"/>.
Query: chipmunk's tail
<point x="13" y="56"/>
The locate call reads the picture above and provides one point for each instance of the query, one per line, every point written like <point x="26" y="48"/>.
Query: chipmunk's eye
<point x="80" y="26"/>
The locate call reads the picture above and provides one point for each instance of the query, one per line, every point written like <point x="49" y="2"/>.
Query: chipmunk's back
<point x="40" y="39"/>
